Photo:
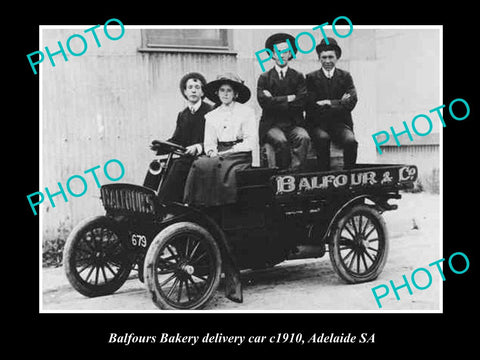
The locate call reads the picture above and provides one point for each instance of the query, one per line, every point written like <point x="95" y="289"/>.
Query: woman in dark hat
<point x="230" y="144"/>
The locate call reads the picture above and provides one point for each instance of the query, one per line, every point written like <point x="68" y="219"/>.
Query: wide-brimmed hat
<point x="191" y="75"/>
<point x="332" y="45"/>
<point x="243" y="92"/>
<point x="279" y="38"/>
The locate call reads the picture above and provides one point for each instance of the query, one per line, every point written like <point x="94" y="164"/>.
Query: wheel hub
<point x="361" y="242"/>
<point x="99" y="257"/>
<point x="186" y="269"/>
<point x="364" y="242"/>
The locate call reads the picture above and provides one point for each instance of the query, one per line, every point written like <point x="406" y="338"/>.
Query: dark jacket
<point x="276" y="109"/>
<point x="319" y="87"/>
<point x="190" y="127"/>
<point x="190" y="130"/>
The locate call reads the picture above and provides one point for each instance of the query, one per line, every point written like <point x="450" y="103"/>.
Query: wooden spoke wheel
<point x="359" y="245"/>
<point x="182" y="267"/>
<point x="96" y="261"/>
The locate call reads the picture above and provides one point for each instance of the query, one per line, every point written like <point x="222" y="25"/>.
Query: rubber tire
<point x="163" y="237"/>
<point x="334" y="252"/>
<point x="90" y="290"/>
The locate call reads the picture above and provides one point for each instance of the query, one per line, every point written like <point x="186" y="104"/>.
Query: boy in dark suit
<point x="281" y="92"/>
<point x="331" y="98"/>
<point x="189" y="133"/>
<point x="190" y="127"/>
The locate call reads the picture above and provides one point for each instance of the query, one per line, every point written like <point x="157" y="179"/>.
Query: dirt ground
<point x="301" y="285"/>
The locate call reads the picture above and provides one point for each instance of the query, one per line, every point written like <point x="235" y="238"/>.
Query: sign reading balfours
<point x="306" y="183"/>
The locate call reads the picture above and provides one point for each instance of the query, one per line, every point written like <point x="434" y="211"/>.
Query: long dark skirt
<point x="212" y="181"/>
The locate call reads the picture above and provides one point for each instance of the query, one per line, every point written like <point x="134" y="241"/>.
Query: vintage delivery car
<point x="181" y="252"/>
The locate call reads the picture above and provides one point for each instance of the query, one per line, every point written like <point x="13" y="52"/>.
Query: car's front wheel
<point x="182" y="267"/>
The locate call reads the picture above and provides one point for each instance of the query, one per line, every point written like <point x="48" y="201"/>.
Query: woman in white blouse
<point x="230" y="144"/>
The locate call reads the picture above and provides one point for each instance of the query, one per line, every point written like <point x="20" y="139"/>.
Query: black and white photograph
<point x="235" y="178"/>
<point x="241" y="169"/>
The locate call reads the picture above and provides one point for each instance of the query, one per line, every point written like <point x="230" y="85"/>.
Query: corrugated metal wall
<point x="425" y="157"/>
<point x="99" y="109"/>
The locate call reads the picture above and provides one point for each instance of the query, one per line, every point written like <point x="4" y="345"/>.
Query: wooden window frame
<point x="149" y="47"/>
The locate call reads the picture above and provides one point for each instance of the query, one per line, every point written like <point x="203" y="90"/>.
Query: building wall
<point x="425" y="157"/>
<point x="407" y="71"/>
<point x="112" y="101"/>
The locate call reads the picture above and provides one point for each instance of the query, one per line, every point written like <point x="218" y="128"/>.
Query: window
<point x="187" y="40"/>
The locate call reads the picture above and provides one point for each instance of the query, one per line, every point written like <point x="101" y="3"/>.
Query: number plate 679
<point x="139" y="240"/>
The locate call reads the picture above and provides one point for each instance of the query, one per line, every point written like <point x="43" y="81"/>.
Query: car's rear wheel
<point x="358" y="246"/>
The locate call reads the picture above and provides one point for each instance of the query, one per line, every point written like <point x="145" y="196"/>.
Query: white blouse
<point x="230" y="123"/>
